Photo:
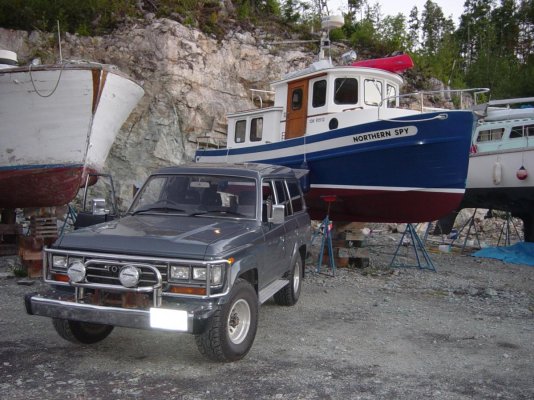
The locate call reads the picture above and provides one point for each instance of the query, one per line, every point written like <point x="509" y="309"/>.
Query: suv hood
<point x="160" y="236"/>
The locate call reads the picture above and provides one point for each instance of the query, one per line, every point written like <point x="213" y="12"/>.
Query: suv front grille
<point x="107" y="272"/>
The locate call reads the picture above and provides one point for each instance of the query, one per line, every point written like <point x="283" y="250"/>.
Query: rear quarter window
<point x="295" y="196"/>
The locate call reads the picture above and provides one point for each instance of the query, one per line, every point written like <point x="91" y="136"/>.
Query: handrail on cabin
<point x="256" y="93"/>
<point x="476" y="92"/>
<point x="422" y="94"/>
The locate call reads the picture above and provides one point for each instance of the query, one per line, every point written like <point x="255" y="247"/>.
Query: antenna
<point x="59" y="42"/>
<point x="327" y="23"/>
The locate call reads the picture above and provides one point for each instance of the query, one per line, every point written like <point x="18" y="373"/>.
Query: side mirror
<point x="99" y="207"/>
<point x="278" y="214"/>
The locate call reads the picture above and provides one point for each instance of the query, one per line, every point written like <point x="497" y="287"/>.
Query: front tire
<point x="81" y="332"/>
<point x="289" y="294"/>
<point x="232" y="328"/>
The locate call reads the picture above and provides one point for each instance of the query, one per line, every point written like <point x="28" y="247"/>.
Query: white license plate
<point x="173" y="320"/>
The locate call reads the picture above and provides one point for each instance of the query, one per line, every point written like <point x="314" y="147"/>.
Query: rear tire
<point x="289" y="294"/>
<point x="232" y="328"/>
<point x="81" y="332"/>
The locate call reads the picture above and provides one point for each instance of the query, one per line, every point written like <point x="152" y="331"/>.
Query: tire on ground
<point x="232" y="328"/>
<point x="289" y="294"/>
<point x="81" y="332"/>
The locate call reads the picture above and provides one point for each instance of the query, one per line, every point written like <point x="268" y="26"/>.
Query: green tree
<point x="434" y="27"/>
<point x="413" y="28"/>
<point x="393" y="33"/>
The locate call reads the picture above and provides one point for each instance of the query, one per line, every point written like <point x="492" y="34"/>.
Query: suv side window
<point x="267" y="194"/>
<point x="283" y="197"/>
<point x="275" y="192"/>
<point x="295" y="196"/>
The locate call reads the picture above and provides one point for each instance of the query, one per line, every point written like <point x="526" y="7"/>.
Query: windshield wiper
<point x="216" y="212"/>
<point x="162" y="209"/>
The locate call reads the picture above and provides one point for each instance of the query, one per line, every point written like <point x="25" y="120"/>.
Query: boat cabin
<point x="316" y="100"/>
<point x="504" y="129"/>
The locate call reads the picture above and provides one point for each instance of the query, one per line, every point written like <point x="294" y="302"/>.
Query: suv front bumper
<point x="190" y="317"/>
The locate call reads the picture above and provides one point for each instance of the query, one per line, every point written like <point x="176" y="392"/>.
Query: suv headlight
<point x="77" y="271"/>
<point x="179" y="272"/>
<point x="199" y="274"/>
<point x="59" y="262"/>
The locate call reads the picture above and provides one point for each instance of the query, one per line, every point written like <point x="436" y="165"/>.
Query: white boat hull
<point x="58" y="123"/>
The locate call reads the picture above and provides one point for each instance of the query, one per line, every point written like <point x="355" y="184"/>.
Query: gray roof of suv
<point x="240" y="169"/>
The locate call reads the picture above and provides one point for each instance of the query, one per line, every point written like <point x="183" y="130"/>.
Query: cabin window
<point x="319" y="93"/>
<point x="296" y="99"/>
<point x="240" y="131"/>
<point x="256" y="129"/>
<point x="490" y="135"/>
<point x="392" y="96"/>
<point x="346" y="91"/>
<point x="373" y="92"/>
<point x="520" y="131"/>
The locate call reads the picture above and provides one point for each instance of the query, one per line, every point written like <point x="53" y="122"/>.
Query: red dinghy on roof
<point x="398" y="63"/>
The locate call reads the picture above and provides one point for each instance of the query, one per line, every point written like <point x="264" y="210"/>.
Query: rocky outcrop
<point x="191" y="82"/>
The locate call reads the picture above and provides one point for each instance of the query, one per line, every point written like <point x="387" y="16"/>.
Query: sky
<point x="393" y="7"/>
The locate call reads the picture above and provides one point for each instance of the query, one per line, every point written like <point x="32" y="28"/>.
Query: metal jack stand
<point x="506" y="230"/>
<point x="70" y="219"/>
<point x="325" y="229"/>
<point x="421" y="255"/>
<point x="471" y="223"/>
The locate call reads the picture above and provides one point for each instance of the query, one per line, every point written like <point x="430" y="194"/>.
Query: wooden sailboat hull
<point x="58" y="122"/>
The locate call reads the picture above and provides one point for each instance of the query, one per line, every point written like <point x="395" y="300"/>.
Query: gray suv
<point x="200" y="248"/>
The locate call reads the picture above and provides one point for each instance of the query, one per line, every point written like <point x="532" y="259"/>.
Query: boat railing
<point x="456" y="95"/>
<point x="210" y="142"/>
<point x="256" y="94"/>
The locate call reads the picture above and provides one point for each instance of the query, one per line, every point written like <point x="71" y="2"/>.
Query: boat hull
<point x="410" y="169"/>
<point x="492" y="181"/>
<point x="40" y="187"/>
<point x="58" y="121"/>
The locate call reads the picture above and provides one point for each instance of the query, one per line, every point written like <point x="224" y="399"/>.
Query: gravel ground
<point x="463" y="332"/>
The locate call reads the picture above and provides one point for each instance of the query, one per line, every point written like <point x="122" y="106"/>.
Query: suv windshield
<point x="198" y="195"/>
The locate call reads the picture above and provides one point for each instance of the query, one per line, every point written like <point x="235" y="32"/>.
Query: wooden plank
<point x="30" y="255"/>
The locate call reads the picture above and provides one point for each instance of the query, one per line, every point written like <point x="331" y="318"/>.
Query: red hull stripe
<point x="382" y="205"/>
<point x="39" y="187"/>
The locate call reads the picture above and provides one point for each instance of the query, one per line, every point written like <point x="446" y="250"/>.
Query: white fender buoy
<point x="497" y="173"/>
<point x="521" y="173"/>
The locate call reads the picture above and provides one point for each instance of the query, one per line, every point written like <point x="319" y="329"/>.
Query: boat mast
<point x="325" y="30"/>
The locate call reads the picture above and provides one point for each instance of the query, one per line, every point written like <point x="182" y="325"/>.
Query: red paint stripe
<point x="382" y="205"/>
<point x="39" y="187"/>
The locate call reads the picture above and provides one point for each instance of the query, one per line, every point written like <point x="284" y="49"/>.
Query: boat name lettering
<point x="385" y="134"/>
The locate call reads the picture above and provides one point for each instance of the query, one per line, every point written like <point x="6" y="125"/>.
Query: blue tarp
<point x="519" y="253"/>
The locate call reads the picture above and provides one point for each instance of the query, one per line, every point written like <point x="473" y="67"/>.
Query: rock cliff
<point x="191" y="82"/>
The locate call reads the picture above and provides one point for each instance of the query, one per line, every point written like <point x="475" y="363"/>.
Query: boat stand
<point x="70" y="219"/>
<point x="421" y="255"/>
<point x="471" y="224"/>
<point x="325" y="230"/>
<point x="506" y="230"/>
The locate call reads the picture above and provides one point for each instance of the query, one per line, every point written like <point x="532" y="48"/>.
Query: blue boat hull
<point x="410" y="169"/>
